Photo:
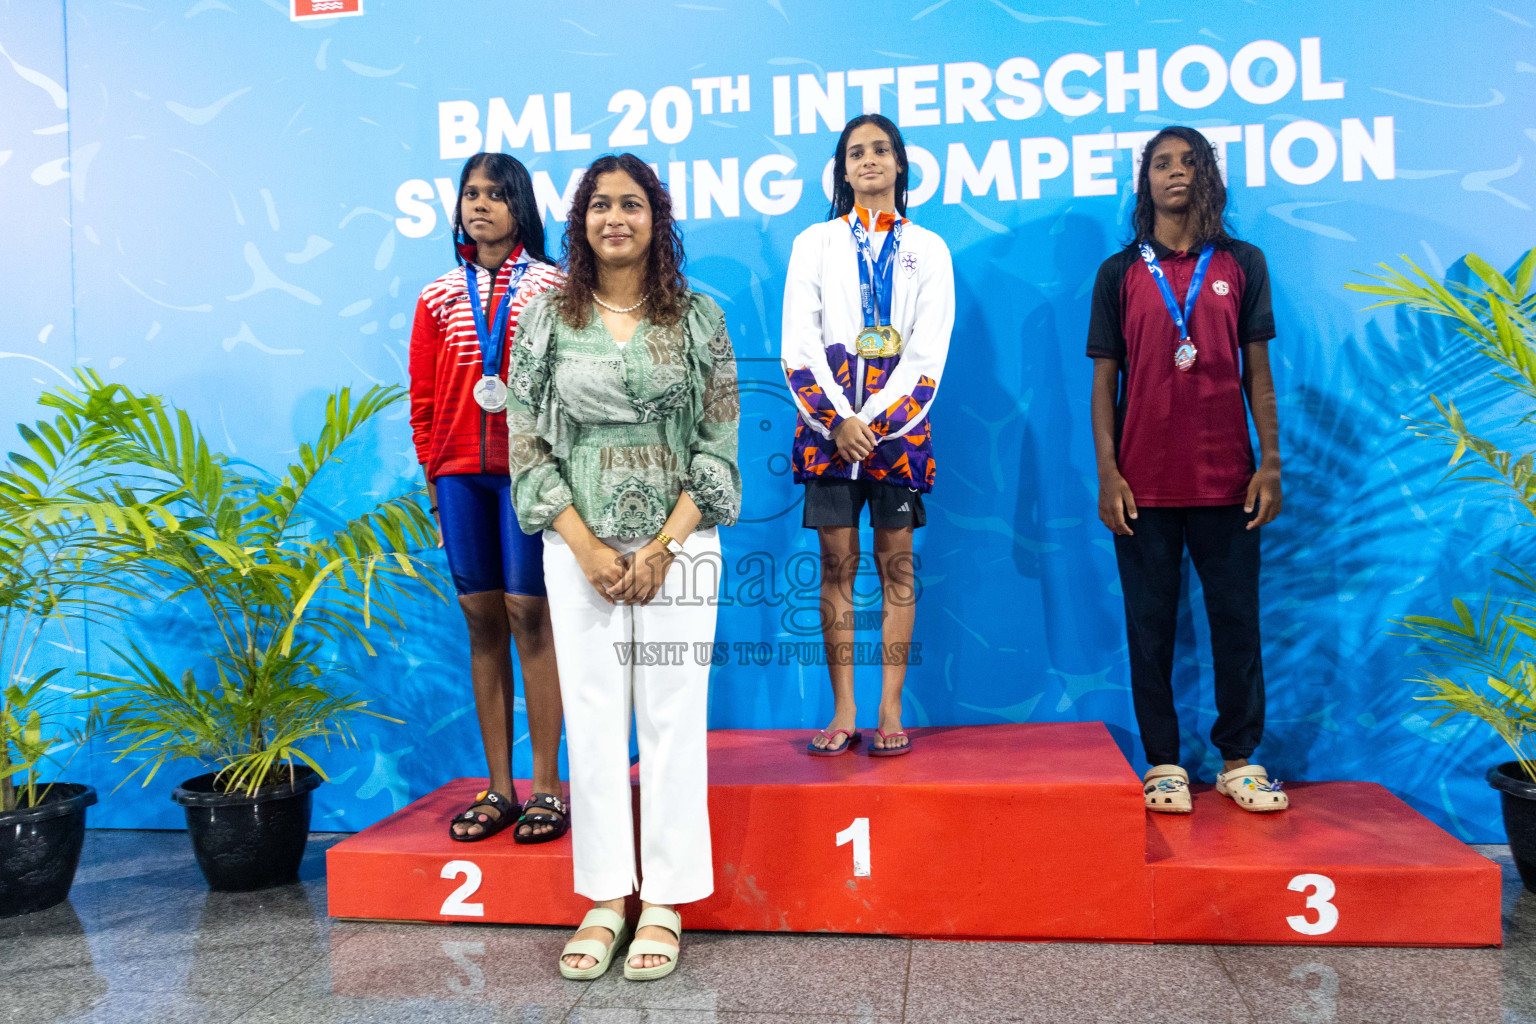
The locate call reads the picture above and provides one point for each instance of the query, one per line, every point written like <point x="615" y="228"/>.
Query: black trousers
<point x="1226" y="557"/>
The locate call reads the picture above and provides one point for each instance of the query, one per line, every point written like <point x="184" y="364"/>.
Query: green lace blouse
<point x="620" y="431"/>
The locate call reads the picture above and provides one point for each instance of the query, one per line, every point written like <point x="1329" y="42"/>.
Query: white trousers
<point x="614" y="658"/>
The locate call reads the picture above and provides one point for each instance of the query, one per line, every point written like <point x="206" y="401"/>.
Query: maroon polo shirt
<point x="1182" y="438"/>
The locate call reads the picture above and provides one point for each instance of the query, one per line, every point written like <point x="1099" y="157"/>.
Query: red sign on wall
<point x="299" y="10"/>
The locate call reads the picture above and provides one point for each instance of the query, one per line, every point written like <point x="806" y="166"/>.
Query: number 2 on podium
<point x="1327" y="914"/>
<point x="858" y="835"/>
<point x="454" y="905"/>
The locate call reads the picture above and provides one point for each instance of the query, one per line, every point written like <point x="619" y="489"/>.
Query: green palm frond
<point x="1487" y="660"/>
<point x="62" y="520"/>
<point x="277" y="588"/>
<point x="120" y="495"/>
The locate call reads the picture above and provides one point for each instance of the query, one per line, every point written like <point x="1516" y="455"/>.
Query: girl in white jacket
<point x="868" y="307"/>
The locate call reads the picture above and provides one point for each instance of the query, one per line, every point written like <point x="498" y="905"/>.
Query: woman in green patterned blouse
<point x="623" y="451"/>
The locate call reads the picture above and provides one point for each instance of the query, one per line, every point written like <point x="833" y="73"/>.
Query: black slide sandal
<point x="561" y="820"/>
<point x="488" y="824"/>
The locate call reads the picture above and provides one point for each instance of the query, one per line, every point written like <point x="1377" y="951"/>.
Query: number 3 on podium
<point x="1327" y="914"/>
<point x="858" y="835"/>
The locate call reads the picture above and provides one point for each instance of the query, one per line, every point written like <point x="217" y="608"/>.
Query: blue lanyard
<point x="491" y="338"/>
<point x="1180" y="319"/>
<point x="877" y="291"/>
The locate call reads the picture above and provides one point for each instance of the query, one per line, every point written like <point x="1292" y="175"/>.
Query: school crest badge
<point x="909" y="263"/>
<point x="1220" y="287"/>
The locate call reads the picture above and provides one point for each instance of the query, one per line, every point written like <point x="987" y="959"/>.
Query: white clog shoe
<point x="1166" y="789"/>
<point x="1253" y="789"/>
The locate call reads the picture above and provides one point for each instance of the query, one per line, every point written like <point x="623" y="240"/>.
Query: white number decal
<point x="629" y="132"/>
<point x="671" y="128"/>
<point x="1327" y="913"/>
<point x="858" y="835"/>
<point x="454" y="905"/>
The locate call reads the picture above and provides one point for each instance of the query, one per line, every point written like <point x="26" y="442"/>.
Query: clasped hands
<point x="855" y="440"/>
<point x="626" y="579"/>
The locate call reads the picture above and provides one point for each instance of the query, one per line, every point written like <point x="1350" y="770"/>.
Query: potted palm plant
<point x="278" y="579"/>
<point x="1484" y="663"/>
<point x="42" y="824"/>
<point x="59" y="515"/>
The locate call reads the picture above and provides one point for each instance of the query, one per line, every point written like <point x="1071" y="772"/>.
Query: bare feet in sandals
<point x="545" y="818"/>
<point x="889" y="735"/>
<point x="581" y="961"/>
<point x="654" y="933"/>
<point x="842" y="721"/>
<point x="490" y="813"/>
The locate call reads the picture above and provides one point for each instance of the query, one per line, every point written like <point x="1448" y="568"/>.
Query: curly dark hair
<point x="842" y="190"/>
<point x="666" y="289"/>
<point x="1207" y="194"/>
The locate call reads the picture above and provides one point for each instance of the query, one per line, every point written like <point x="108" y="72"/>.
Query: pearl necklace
<point x="616" y="309"/>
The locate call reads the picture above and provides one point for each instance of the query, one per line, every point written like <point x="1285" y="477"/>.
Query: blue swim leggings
<point x="486" y="549"/>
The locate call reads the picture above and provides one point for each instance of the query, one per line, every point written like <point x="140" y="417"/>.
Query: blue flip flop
<point x="850" y="740"/>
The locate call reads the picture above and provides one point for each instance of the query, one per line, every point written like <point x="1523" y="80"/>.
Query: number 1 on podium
<point x="858" y="835"/>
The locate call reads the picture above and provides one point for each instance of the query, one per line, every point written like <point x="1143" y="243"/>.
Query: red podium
<point x="1350" y="864"/>
<point x="1028" y="831"/>
<point x="1020" y="831"/>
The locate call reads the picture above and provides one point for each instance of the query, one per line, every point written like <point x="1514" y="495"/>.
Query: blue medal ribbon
<point x="1180" y="317"/>
<point x="875" y="291"/>
<point x="492" y="337"/>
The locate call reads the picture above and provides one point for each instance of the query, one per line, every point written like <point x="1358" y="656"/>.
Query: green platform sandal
<point x="597" y="917"/>
<point x="660" y="917"/>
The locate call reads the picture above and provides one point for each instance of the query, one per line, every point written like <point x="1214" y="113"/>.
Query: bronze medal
<point x="1184" y="356"/>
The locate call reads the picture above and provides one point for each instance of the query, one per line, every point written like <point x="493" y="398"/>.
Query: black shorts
<point x="836" y="502"/>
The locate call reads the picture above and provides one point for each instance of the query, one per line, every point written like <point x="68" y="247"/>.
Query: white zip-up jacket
<point x="831" y="382"/>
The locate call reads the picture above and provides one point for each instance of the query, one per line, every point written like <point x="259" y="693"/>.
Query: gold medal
<point x="879" y="342"/>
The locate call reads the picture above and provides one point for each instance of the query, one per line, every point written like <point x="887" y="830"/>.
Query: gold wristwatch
<point x="673" y="547"/>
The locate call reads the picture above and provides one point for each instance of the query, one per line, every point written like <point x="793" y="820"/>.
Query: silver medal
<point x="491" y="394"/>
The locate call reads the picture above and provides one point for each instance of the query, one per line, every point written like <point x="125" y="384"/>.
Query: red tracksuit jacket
<point x="452" y="433"/>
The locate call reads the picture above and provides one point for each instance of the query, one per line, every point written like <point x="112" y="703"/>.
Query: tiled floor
<point x="143" y="940"/>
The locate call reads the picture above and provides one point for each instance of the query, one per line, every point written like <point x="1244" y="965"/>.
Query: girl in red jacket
<point x="460" y="348"/>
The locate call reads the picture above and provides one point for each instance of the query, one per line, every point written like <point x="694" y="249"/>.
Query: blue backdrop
<point x="210" y="200"/>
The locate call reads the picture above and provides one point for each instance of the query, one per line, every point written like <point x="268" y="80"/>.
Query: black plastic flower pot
<point x="247" y="841"/>
<point x="1517" y="793"/>
<point x="40" y="848"/>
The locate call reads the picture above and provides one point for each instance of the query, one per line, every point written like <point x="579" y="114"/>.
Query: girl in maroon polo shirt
<point x="1179" y="336"/>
